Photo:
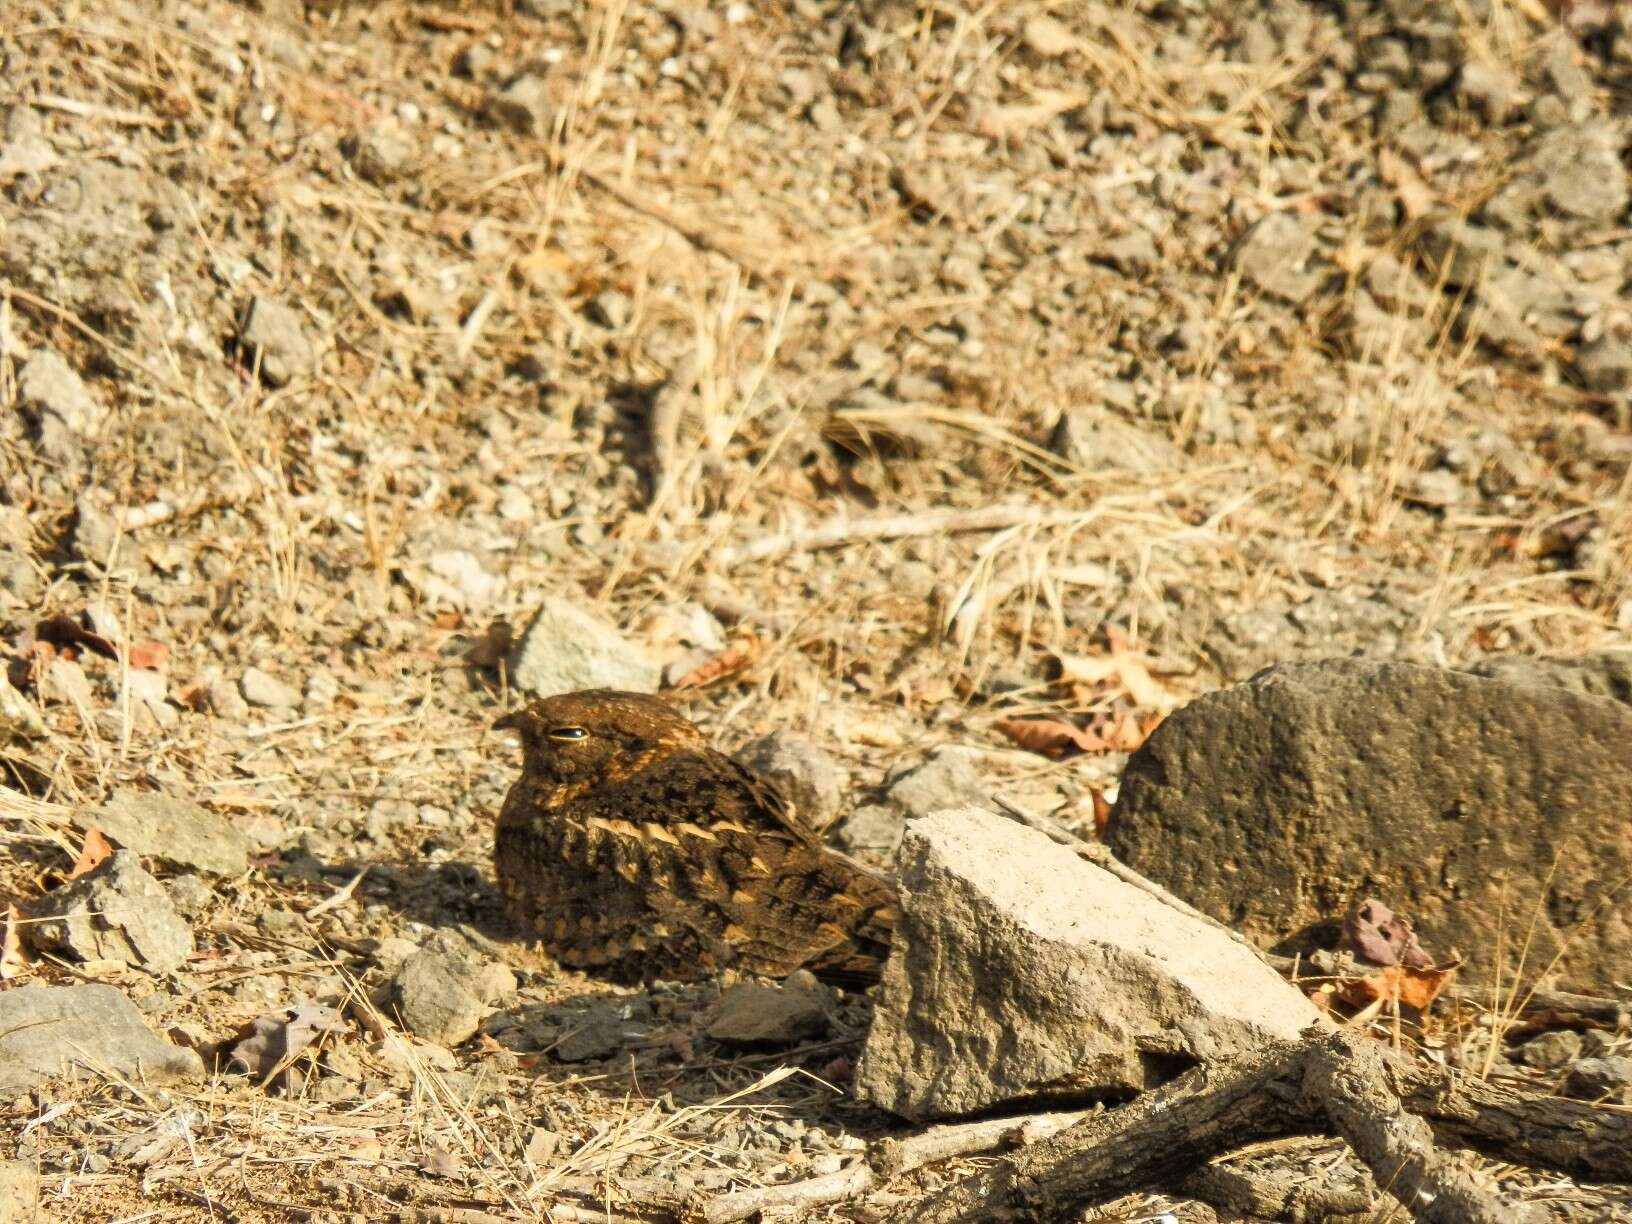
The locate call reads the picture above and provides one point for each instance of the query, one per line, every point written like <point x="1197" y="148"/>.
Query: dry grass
<point x="796" y="409"/>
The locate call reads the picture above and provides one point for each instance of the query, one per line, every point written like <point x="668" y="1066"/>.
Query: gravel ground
<point x="872" y="372"/>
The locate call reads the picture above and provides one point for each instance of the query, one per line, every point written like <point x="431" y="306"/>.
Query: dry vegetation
<point x="753" y="324"/>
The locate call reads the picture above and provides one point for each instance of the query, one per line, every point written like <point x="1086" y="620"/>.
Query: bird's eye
<point x="569" y="733"/>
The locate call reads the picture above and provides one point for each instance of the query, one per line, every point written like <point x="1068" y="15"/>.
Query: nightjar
<point x="631" y="847"/>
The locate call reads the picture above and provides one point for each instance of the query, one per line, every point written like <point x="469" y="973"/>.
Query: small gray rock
<point x="49" y="385"/>
<point x="433" y="1002"/>
<point x="273" y="335"/>
<point x="757" y="1014"/>
<point x="19" y="720"/>
<point x="1601" y="1079"/>
<point x="803" y="769"/>
<point x="1605" y="364"/>
<point x="1098" y="440"/>
<point x="523" y="106"/>
<point x="191" y="894"/>
<point x="566" y="649"/>
<point x="947" y="780"/>
<point x="116" y="912"/>
<point x="594" y="1033"/>
<point x="1550" y="1051"/>
<point x="259" y="688"/>
<point x="175" y="830"/>
<point x="384" y="153"/>
<point x="873" y="830"/>
<point x="44" y="1029"/>
<point x="1274" y="255"/>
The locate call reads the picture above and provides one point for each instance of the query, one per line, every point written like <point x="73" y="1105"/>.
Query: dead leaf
<point x="1102" y="811"/>
<point x="1380" y="937"/>
<point x="492" y="647"/>
<point x="1412" y="987"/>
<point x="63" y="631"/>
<point x="14" y="958"/>
<point x="732" y="659"/>
<point x="1050" y="736"/>
<point x="1125" y="669"/>
<point x="92" y="852"/>
<point x="275" y="1039"/>
<point x="149" y="656"/>
<point x="448" y="620"/>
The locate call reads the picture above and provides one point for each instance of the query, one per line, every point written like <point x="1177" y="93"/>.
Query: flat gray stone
<point x="175" y="830"/>
<point x="47" y="1030"/>
<point x="755" y="1013"/>
<point x="274" y="334"/>
<point x="117" y="912"/>
<point x="1020" y="973"/>
<point x="1473" y="807"/>
<point x="566" y="649"/>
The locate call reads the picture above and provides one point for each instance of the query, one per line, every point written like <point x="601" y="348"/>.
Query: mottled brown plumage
<point x="630" y="846"/>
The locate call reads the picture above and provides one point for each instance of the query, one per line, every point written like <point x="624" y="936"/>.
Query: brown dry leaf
<point x="732" y="659"/>
<point x="92" y="851"/>
<point x="1380" y="937"/>
<point x="1050" y="736"/>
<point x="62" y="630"/>
<point x="1124" y="668"/>
<point x="1102" y="811"/>
<point x="1412" y="987"/>
<point x="492" y="647"/>
<point x="277" y="1037"/>
<point x="149" y="656"/>
<point x="14" y="958"/>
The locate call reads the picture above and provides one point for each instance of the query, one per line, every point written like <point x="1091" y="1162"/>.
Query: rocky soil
<point x="870" y="375"/>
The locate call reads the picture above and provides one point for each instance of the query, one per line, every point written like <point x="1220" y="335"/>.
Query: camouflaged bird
<point x="631" y="847"/>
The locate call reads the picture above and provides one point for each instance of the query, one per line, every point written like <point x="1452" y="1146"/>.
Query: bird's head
<point x="595" y="735"/>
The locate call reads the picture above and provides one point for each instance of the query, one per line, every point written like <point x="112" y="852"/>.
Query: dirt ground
<point x="876" y="365"/>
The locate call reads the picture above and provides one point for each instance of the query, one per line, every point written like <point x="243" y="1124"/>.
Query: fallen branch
<point x="888" y="1159"/>
<point x="892" y="527"/>
<point x="1339" y="1083"/>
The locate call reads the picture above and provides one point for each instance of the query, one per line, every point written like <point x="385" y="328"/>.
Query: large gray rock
<point x="116" y="912"/>
<point x="46" y="1030"/>
<point x="1488" y="813"/>
<point x="566" y="649"/>
<point x="175" y="830"/>
<point x="1020" y="972"/>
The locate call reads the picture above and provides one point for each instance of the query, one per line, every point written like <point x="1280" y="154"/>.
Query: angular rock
<point x="1550" y="1051"/>
<point x="175" y="830"/>
<point x="1096" y="440"/>
<point x="523" y="106"/>
<point x="757" y="1014"/>
<point x="1454" y="798"/>
<point x="116" y="912"/>
<point x="274" y="335"/>
<point x="47" y="1029"/>
<point x="803" y="769"/>
<point x="872" y="830"/>
<point x="1275" y="254"/>
<point x="49" y="385"/>
<point x="595" y="1033"/>
<point x="1601" y="1079"/>
<point x="1020" y="973"/>
<point x="263" y="689"/>
<point x="566" y="649"/>
<point x="948" y="779"/>
<point x="19" y="720"/>
<point x="443" y="995"/>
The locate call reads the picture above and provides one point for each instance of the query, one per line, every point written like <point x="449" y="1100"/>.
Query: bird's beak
<point x="513" y="721"/>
